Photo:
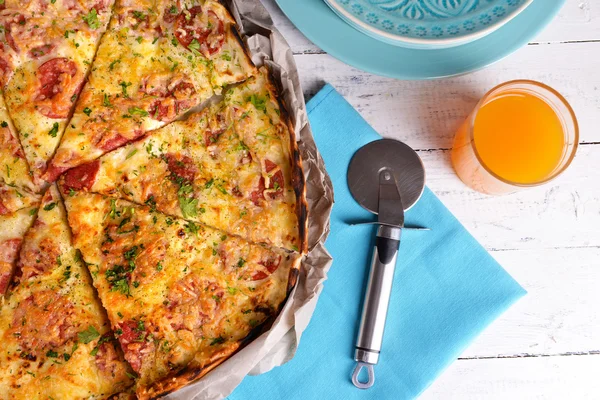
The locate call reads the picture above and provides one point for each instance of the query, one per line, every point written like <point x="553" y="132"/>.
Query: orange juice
<point x="521" y="134"/>
<point x="519" y="137"/>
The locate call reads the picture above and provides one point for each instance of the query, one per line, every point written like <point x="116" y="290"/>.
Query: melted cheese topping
<point x="12" y="230"/>
<point x="13" y="166"/>
<point x="145" y="77"/>
<point x="56" y="339"/>
<point x="16" y="187"/>
<point x="33" y="35"/>
<point x="227" y="167"/>
<point x="174" y="290"/>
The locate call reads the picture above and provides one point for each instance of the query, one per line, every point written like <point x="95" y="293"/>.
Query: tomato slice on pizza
<point x="175" y="291"/>
<point x="46" y="50"/>
<point x="157" y="60"/>
<point x="230" y="166"/>
<point x="56" y="338"/>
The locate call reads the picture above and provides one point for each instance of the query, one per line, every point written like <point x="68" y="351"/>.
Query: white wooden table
<point x="547" y="346"/>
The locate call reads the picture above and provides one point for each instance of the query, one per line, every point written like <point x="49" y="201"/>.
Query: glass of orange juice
<point x="521" y="134"/>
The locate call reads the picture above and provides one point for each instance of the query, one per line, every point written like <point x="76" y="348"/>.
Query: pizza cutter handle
<point x="375" y="306"/>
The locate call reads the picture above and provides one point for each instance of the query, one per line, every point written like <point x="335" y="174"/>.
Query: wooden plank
<point x="579" y="20"/>
<point x="571" y="377"/>
<point x="426" y="114"/>
<point x="559" y="314"/>
<point x="562" y="213"/>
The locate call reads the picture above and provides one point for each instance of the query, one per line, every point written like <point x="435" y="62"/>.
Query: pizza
<point x="153" y="215"/>
<point x="56" y="338"/>
<point x="13" y="227"/>
<point x="46" y="49"/>
<point x="230" y="166"/>
<point x="17" y="190"/>
<point x="158" y="59"/>
<point x="175" y="291"/>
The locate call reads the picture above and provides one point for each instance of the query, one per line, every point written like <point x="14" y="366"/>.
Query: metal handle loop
<point x="371" y="373"/>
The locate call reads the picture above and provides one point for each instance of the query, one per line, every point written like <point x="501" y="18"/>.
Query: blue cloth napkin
<point x="447" y="288"/>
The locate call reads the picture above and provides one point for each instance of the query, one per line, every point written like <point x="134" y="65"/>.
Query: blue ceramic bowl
<point x="427" y="23"/>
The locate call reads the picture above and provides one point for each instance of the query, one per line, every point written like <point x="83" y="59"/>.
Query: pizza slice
<point x="12" y="230"/>
<point x="158" y="59"/>
<point x="231" y="166"/>
<point x="175" y="290"/>
<point x="16" y="187"/>
<point x="56" y="339"/>
<point x="46" y="49"/>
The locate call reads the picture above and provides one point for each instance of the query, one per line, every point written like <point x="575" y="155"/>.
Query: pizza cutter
<point x="386" y="177"/>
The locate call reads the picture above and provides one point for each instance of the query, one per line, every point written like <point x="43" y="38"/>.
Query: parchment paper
<point x="278" y="345"/>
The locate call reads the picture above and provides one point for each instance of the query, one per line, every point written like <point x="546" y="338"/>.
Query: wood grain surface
<point x="548" y="345"/>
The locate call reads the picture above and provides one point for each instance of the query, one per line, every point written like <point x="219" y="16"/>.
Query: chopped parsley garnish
<point x="138" y="111"/>
<point x="92" y="19"/>
<point x="51" y="353"/>
<point x="189" y="206"/>
<point x="240" y="263"/>
<point x="241" y="146"/>
<point x="66" y="274"/>
<point x="112" y="64"/>
<point x="173" y="10"/>
<point x="139" y="39"/>
<point x="218" y="340"/>
<point x="139" y="15"/>
<point x="150" y="202"/>
<point x="4" y="124"/>
<point x="260" y="103"/>
<point x="49" y="207"/>
<point x="87" y="111"/>
<point x="140" y="326"/>
<point x="192" y="228"/>
<point x="131" y="254"/>
<point x="209" y="184"/>
<point x="54" y="131"/>
<point x="113" y="209"/>
<point x="88" y="335"/>
<point x="124" y="85"/>
<point x="221" y="188"/>
<point x="106" y="101"/>
<point x="159" y="266"/>
<point x="102" y="340"/>
<point x="194" y="46"/>
<point x="118" y="278"/>
<point x="131" y="154"/>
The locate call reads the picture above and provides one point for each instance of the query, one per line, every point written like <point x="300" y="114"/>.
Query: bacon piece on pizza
<point x="52" y="326"/>
<point x="175" y="290"/>
<point x="157" y="60"/>
<point x="46" y="50"/>
<point x="231" y="166"/>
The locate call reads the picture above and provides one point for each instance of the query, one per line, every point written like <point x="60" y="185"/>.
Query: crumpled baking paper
<point x="278" y="345"/>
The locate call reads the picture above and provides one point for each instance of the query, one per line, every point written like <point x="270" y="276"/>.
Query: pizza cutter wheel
<point x="386" y="177"/>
